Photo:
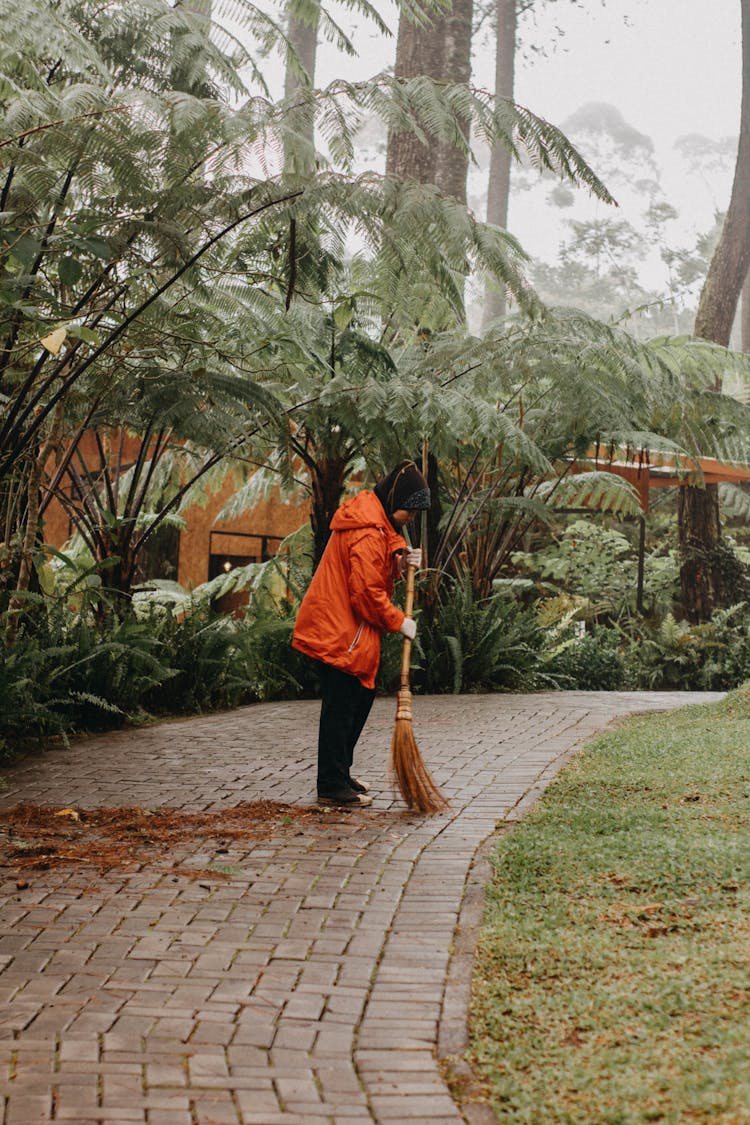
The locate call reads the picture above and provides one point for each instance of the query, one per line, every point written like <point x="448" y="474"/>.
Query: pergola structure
<point x="647" y="469"/>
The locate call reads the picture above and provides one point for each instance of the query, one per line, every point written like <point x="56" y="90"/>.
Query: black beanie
<point x="405" y="488"/>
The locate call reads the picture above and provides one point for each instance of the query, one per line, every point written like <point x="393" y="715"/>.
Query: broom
<point x="406" y="766"/>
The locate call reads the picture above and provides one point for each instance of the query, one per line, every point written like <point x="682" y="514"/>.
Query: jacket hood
<point x="362" y="510"/>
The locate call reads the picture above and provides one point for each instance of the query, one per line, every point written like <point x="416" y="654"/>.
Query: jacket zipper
<point x="357" y="635"/>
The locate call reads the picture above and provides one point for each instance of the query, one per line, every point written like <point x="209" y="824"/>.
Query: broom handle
<point x="408" y="607"/>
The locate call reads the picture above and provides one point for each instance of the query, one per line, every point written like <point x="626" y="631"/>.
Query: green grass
<point x="612" y="984"/>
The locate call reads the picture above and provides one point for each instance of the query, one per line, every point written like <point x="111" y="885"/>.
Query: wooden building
<point x="201" y="550"/>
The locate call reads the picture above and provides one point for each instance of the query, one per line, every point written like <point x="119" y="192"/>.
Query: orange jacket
<point x="348" y="603"/>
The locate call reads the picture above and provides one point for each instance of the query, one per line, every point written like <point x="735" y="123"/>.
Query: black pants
<point x="343" y="713"/>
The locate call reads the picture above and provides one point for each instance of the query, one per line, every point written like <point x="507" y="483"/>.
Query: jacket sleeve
<point x="369" y="582"/>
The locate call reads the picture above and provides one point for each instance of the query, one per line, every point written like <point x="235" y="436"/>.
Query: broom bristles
<point x="407" y="767"/>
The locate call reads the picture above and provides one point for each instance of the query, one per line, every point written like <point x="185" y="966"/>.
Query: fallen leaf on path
<point x="40" y="837"/>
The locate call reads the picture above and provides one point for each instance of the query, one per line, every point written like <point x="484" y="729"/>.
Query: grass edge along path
<point x="612" y="974"/>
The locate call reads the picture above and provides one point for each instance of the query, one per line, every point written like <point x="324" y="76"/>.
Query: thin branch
<point x="118" y="465"/>
<point x="105" y="471"/>
<point x="137" y="467"/>
<point x="17" y="320"/>
<point x="160" y="444"/>
<point x="61" y="469"/>
<point x="36" y="369"/>
<point x="88" y="513"/>
<point x="76" y="516"/>
<point x="292" y="263"/>
<point x="20" y="137"/>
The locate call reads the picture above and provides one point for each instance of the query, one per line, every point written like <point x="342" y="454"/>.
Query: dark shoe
<point x="359" y="786"/>
<point x="345" y="798"/>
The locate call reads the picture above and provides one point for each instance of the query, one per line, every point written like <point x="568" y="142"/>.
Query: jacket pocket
<point x="357" y="636"/>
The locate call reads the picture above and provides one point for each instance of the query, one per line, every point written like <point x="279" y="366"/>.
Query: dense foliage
<point x="186" y="286"/>
<point x="79" y="662"/>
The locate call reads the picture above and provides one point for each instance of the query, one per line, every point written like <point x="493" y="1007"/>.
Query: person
<point x="346" y="608"/>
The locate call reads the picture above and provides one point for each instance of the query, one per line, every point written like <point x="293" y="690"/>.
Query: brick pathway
<point x="325" y="979"/>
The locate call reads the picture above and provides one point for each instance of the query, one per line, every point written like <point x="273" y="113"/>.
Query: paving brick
<point x="81" y="1050"/>
<point x="170" y="1117"/>
<point x="432" y="1107"/>
<point x="28" y="1109"/>
<point x="171" y="1028"/>
<point x="304" y="1006"/>
<point x="75" y="1102"/>
<point x="253" y="1117"/>
<point x="121" y="1089"/>
<point x="165" y="1074"/>
<point x="214" y="1109"/>
<point x="113" y="1114"/>
<point x="207" y="1066"/>
<point x="295" y="1035"/>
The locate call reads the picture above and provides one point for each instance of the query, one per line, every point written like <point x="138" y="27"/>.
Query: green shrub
<point x="676" y="655"/>
<point x="62" y="672"/>
<point x="84" y="661"/>
<point x="279" y="671"/>
<point x="30" y="712"/>
<point x="599" y="563"/>
<point x="110" y="670"/>
<point x="477" y="645"/>
<point x="210" y="664"/>
<point x="593" y="662"/>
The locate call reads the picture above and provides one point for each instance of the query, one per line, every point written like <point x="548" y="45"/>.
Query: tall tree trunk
<point x="431" y="522"/>
<point x="419" y="51"/>
<point x="699" y="543"/>
<point x="698" y="515"/>
<point x="731" y="259"/>
<point x="441" y="52"/>
<point x="452" y="165"/>
<point x="31" y="530"/>
<point x="327" y="480"/>
<point x="303" y="39"/>
<point x="498" y="191"/>
<point x="745" y="317"/>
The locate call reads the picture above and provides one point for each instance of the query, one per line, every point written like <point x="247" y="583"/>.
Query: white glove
<point x="414" y="557"/>
<point x="409" y="628"/>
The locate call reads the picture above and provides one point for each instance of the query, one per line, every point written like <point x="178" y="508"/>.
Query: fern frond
<point x="598" y="491"/>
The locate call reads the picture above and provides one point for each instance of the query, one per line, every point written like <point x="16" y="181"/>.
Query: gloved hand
<point x="409" y="628"/>
<point x="412" y="556"/>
